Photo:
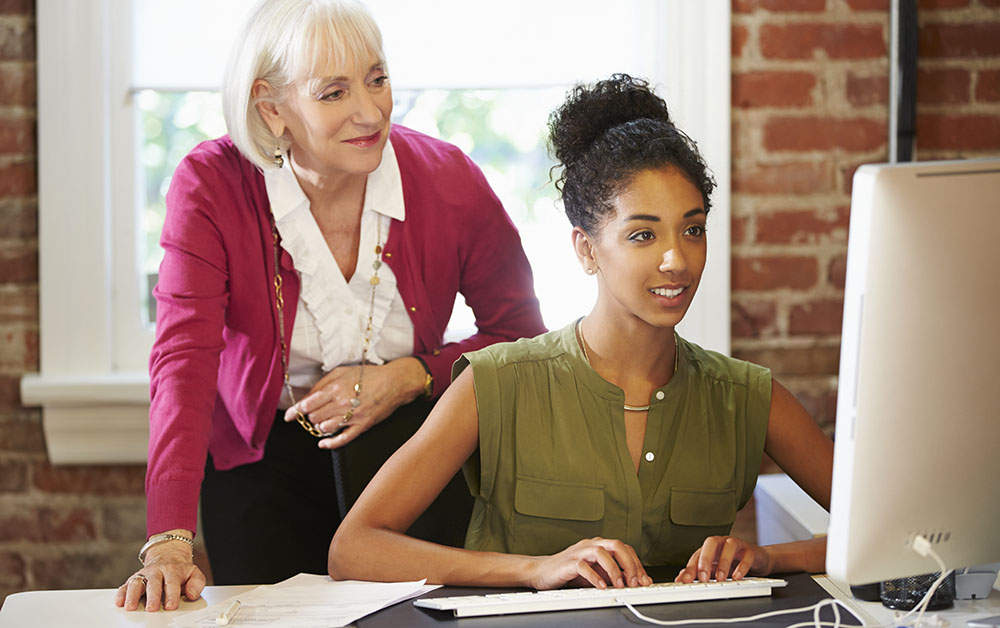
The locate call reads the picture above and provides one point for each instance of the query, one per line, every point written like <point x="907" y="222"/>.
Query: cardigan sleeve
<point x="191" y="295"/>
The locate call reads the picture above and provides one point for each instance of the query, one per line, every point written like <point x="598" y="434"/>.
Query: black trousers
<point x="269" y="520"/>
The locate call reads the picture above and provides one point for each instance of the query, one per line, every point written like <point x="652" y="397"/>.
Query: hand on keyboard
<point x="722" y="557"/>
<point x="601" y="563"/>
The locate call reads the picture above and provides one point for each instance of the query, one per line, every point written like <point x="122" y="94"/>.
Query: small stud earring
<point x="591" y="271"/>
<point x="279" y="161"/>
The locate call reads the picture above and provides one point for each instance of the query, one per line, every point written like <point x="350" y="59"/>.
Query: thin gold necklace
<point x="302" y="419"/>
<point x="583" y="345"/>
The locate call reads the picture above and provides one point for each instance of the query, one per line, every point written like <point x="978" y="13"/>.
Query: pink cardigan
<point x="215" y="367"/>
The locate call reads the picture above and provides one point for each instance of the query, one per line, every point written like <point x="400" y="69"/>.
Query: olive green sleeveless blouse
<point x="553" y="467"/>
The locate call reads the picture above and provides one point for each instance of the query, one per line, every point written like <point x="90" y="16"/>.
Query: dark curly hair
<point x="605" y="134"/>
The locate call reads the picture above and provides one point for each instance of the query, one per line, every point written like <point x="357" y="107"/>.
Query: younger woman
<point x="612" y="443"/>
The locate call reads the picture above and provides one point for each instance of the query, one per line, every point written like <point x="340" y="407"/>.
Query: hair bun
<point x="590" y="111"/>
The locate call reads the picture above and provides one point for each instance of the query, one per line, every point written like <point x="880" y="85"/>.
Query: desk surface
<point x="94" y="607"/>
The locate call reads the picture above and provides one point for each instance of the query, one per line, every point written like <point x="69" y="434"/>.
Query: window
<point x="481" y="75"/>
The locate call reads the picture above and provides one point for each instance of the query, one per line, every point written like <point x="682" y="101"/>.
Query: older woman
<point x="312" y="259"/>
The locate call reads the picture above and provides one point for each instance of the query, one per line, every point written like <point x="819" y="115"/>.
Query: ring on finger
<point x="347" y="417"/>
<point x="139" y="576"/>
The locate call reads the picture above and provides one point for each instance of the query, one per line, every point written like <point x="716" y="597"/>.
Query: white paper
<point x="307" y="601"/>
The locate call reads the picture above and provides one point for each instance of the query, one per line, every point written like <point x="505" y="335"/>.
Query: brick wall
<point x="810" y="79"/>
<point x="810" y="103"/>
<point x="60" y="527"/>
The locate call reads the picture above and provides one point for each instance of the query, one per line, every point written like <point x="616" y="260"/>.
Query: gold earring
<point x="279" y="161"/>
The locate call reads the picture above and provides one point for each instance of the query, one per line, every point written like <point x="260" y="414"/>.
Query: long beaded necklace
<point x="303" y="420"/>
<point x="583" y="345"/>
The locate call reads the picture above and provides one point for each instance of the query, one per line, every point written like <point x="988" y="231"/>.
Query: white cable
<point x="920" y="544"/>
<point x="733" y="620"/>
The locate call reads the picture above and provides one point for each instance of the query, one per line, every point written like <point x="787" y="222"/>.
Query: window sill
<point x="92" y="419"/>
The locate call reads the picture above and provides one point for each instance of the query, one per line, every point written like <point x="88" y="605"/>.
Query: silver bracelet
<point x="160" y="538"/>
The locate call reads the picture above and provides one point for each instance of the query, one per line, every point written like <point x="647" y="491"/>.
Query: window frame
<point x="93" y="385"/>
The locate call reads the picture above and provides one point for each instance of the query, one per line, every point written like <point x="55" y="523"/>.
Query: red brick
<point x="803" y="227"/>
<point x="838" y="41"/>
<point x="931" y="5"/>
<point x="18" y="179"/>
<point x="738" y="230"/>
<point x="17" y="42"/>
<point x="17" y="84"/>
<point x="117" y="480"/>
<point x="816" y="133"/>
<point x="13" y="476"/>
<point x="125" y="521"/>
<point x="816" y="318"/>
<point x="958" y="132"/>
<point x="794" y="361"/>
<point x="18" y="219"/>
<point x="19" y="264"/>
<point x="837" y="272"/>
<point x="773" y="89"/>
<point x="98" y="568"/>
<point x="798" y="177"/>
<point x="867" y="90"/>
<point x="739" y="34"/>
<point x="790" y="6"/>
<point x="10" y="397"/>
<point x="988" y="85"/>
<point x="868" y="5"/>
<point x="18" y="305"/>
<point x="17" y="7"/>
<point x="17" y="136"/>
<point x="21" y="436"/>
<point x="21" y="349"/>
<point x="959" y="40"/>
<point x="943" y="87"/>
<point x="20" y="524"/>
<point x="12" y="572"/>
<point x="774" y="272"/>
<point x="63" y="525"/>
<point x="754" y="319"/>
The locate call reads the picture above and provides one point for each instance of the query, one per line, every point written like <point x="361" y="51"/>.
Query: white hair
<point x="283" y="41"/>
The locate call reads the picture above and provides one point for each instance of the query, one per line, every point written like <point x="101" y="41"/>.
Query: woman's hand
<point x="598" y="562"/>
<point x="169" y="571"/>
<point x="384" y="388"/>
<point x="720" y="557"/>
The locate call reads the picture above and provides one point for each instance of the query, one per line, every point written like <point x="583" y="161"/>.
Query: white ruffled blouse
<point x="332" y="313"/>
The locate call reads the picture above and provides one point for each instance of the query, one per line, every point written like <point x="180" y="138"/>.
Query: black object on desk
<point x="801" y="591"/>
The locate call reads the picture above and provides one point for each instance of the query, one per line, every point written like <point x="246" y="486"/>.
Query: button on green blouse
<point x="553" y="467"/>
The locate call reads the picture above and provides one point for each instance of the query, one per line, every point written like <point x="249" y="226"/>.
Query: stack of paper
<point x="307" y="601"/>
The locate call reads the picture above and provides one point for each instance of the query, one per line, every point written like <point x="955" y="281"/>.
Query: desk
<point x="94" y="607"/>
<point x="873" y="613"/>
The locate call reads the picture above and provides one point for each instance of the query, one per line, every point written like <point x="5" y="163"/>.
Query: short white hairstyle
<point x="283" y="41"/>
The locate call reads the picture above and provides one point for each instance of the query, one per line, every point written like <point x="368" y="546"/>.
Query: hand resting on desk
<point x="169" y="570"/>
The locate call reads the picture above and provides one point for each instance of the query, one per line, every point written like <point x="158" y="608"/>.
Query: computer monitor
<point x="918" y="405"/>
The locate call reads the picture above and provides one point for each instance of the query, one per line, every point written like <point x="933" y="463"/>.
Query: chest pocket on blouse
<point x="694" y="514"/>
<point x="551" y="515"/>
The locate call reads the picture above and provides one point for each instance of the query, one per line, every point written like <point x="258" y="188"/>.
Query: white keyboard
<point x="575" y="599"/>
